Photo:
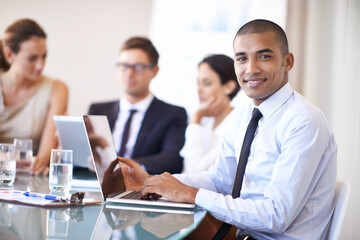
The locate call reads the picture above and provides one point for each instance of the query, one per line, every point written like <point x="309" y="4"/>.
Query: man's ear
<point x="289" y="61"/>
<point x="155" y="70"/>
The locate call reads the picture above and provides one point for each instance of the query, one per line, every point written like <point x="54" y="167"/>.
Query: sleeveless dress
<point x="26" y="120"/>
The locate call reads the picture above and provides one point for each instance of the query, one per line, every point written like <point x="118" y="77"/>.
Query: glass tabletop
<point x="98" y="221"/>
<point x="115" y="222"/>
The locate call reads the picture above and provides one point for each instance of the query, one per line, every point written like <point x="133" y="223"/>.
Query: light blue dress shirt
<point x="289" y="183"/>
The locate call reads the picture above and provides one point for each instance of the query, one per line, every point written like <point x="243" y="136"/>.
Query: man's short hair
<point x="263" y="26"/>
<point x="144" y="44"/>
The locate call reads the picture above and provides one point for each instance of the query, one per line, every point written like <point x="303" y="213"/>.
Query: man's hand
<point x="112" y="179"/>
<point x="134" y="175"/>
<point x="169" y="187"/>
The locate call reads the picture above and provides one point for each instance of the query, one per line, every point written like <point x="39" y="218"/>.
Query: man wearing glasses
<point x="144" y="128"/>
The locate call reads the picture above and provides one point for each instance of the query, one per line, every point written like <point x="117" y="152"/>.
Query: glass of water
<point x="7" y="165"/>
<point x="61" y="170"/>
<point x="24" y="154"/>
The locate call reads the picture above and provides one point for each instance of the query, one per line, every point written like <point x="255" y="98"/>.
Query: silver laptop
<point x="72" y="135"/>
<point x="103" y="152"/>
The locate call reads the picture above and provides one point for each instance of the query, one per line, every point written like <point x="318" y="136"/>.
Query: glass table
<point x="98" y="221"/>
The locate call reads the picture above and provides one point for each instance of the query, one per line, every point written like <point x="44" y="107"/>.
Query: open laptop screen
<point x="113" y="187"/>
<point x="102" y="150"/>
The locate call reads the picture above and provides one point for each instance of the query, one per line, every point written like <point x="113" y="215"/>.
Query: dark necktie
<point x="244" y="155"/>
<point x="126" y="133"/>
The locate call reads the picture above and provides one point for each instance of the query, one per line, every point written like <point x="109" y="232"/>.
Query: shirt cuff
<point x="205" y="198"/>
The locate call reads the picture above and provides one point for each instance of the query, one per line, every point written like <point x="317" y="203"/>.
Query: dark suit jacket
<point x="161" y="135"/>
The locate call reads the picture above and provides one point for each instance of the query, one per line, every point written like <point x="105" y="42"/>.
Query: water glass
<point x="7" y="165"/>
<point x="61" y="170"/>
<point x="24" y="154"/>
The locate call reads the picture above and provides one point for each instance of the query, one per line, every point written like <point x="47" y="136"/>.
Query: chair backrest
<point x="342" y="196"/>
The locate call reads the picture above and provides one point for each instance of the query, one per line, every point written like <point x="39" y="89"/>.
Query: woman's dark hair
<point x="224" y="67"/>
<point x="18" y="32"/>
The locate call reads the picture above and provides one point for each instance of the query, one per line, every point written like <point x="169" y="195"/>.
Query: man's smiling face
<point x="260" y="68"/>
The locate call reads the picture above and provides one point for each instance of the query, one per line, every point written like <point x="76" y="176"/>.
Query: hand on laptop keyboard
<point x="151" y="196"/>
<point x="133" y="195"/>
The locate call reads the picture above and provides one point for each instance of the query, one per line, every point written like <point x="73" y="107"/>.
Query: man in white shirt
<point x="156" y="131"/>
<point x="289" y="181"/>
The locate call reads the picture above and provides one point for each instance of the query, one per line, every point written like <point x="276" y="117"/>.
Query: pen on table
<point x="39" y="195"/>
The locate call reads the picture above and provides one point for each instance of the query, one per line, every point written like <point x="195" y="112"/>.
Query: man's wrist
<point x="191" y="194"/>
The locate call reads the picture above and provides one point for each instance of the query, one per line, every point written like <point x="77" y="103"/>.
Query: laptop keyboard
<point x="132" y="195"/>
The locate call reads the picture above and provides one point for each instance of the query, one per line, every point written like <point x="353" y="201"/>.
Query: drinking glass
<point x="7" y="165"/>
<point x="24" y="154"/>
<point x="61" y="170"/>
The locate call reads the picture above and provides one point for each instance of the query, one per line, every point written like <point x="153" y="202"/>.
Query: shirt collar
<point x="275" y="101"/>
<point x="140" y="106"/>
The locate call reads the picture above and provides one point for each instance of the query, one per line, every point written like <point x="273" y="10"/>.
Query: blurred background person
<point x="28" y="99"/>
<point x="144" y="128"/>
<point x="217" y="86"/>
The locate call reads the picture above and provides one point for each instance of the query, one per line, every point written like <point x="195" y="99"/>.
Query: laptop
<point x="103" y="153"/>
<point x="71" y="134"/>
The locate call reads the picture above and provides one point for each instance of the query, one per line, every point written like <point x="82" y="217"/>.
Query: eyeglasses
<point x="138" y="67"/>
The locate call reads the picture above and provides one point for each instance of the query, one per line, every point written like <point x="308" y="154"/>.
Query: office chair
<point x="342" y="196"/>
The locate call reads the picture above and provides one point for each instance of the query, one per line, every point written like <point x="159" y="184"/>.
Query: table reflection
<point x="135" y="224"/>
<point x="57" y="222"/>
<point x="21" y="222"/>
<point x="18" y="221"/>
<point x="112" y="221"/>
<point x="5" y="215"/>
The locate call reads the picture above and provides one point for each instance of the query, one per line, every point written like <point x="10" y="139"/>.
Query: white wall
<point x="84" y="38"/>
<point x="342" y="100"/>
<point x="184" y="41"/>
<point x="329" y="74"/>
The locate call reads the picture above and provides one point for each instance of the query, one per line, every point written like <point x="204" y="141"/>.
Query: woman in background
<point x="217" y="86"/>
<point x="28" y="99"/>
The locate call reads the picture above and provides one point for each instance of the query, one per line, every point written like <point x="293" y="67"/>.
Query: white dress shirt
<point x="124" y="113"/>
<point x="203" y="144"/>
<point x="289" y="181"/>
